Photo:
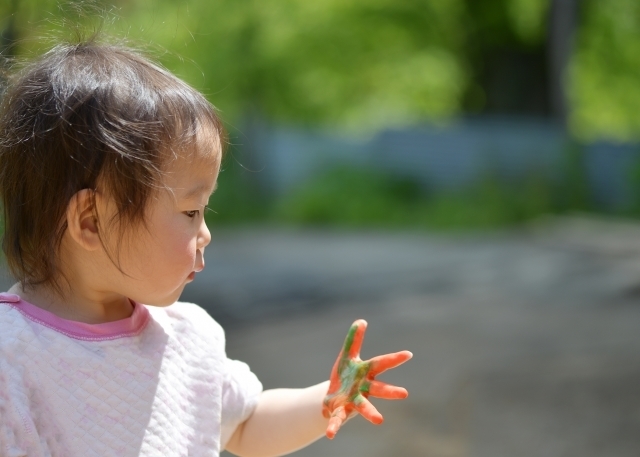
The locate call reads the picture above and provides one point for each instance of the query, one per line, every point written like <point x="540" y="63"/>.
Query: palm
<point x="353" y="381"/>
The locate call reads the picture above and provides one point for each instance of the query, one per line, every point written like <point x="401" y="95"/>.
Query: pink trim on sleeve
<point x="129" y="326"/>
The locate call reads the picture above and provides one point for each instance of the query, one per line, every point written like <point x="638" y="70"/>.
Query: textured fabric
<point x="156" y="384"/>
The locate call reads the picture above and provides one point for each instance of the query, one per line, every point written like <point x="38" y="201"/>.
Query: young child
<point x="107" y="162"/>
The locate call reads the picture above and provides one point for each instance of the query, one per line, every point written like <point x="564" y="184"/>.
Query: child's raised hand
<point x="353" y="381"/>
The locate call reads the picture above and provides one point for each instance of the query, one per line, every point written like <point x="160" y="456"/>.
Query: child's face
<point x="159" y="260"/>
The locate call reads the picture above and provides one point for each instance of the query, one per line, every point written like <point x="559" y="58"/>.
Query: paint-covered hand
<point x="353" y="381"/>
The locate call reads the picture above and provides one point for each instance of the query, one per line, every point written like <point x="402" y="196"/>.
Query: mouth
<point x="191" y="276"/>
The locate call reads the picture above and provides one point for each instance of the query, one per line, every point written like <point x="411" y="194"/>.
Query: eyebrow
<point x="198" y="190"/>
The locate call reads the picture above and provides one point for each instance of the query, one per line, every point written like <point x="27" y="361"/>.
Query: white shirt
<point x="158" y="383"/>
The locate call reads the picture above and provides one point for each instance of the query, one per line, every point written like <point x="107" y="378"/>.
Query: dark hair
<point x="82" y="115"/>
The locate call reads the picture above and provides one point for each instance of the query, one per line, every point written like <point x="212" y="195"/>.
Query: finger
<point x="387" y="391"/>
<point x="338" y="416"/>
<point x="385" y="362"/>
<point x="335" y="371"/>
<point x="368" y="411"/>
<point x="353" y="342"/>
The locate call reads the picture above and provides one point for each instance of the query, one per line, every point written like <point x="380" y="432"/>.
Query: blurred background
<point x="463" y="174"/>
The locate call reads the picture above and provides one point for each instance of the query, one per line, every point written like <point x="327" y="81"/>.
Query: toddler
<point x="107" y="162"/>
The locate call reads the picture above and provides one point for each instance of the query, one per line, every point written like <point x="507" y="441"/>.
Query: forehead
<point x="205" y="144"/>
<point x="194" y="169"/>
<point x="192" y="174"/>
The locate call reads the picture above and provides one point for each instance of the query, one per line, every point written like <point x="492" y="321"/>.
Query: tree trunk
<point x="562" y="26"/>
<point x="8" y="36"/>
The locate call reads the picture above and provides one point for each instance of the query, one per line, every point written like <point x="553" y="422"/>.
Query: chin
<point x="170" y="299"/>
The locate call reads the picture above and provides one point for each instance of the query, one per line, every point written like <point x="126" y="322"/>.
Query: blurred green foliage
<point x="633" y="179"/>
<point x="358" y="198"/>
<point x="605" y="76"/>
<point x="353" y="197"/>
<point x="352" y="64"/>
<point x="349" y="196"/>
<point x="363" y="64"/>
<point x="238" y="199"/>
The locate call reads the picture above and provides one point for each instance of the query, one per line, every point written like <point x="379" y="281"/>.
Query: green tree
<point x="367" y="64"/>
<point x="343" y="63"/>
<point x="605" y="76"/>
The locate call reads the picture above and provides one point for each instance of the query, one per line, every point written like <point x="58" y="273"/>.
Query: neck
<point x="77" y="305"/>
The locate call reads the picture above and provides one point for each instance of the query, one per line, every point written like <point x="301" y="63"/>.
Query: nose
<point x="204" y="235"/>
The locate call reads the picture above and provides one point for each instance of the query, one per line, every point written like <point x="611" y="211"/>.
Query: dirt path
<point x="526" y="343"/>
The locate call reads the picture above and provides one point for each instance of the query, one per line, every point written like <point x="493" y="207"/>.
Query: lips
<point x="200" y="254"/>
<point x="192" y="275"/>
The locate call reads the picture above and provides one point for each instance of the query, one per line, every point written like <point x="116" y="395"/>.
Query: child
<point x="107" y="162"/>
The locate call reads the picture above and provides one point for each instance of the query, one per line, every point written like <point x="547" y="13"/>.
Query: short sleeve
<point x="240" y="393"/>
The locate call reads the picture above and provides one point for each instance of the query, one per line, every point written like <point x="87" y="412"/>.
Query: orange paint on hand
<point x="353" y="381"/>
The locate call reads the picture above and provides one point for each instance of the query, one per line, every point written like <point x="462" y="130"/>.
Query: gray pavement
<point x="525" y="342"/>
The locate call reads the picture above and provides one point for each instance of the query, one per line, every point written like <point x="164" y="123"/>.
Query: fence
<point x="447" y="157"/>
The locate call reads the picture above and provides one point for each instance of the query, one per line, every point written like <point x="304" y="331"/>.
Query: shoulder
<point x="188" y="319"/>
<point x="12" y="324"/>
<point x="192" y="315"/>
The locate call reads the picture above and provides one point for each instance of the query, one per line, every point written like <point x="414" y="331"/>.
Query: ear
<point x="82" y="224"/>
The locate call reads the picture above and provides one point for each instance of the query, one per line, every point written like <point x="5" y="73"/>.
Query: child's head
<point x="96" y="117"/>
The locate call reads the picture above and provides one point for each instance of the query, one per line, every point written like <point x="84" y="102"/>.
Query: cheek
<point x="177" y="243"/>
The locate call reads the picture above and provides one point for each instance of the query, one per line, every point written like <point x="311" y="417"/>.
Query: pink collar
<point x="130" y="326"/>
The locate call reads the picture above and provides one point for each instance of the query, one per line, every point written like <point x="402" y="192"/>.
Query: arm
<point x="284" y="421"/>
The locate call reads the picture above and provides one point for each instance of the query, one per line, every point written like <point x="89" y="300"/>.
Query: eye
<point x="193" y="213"/>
